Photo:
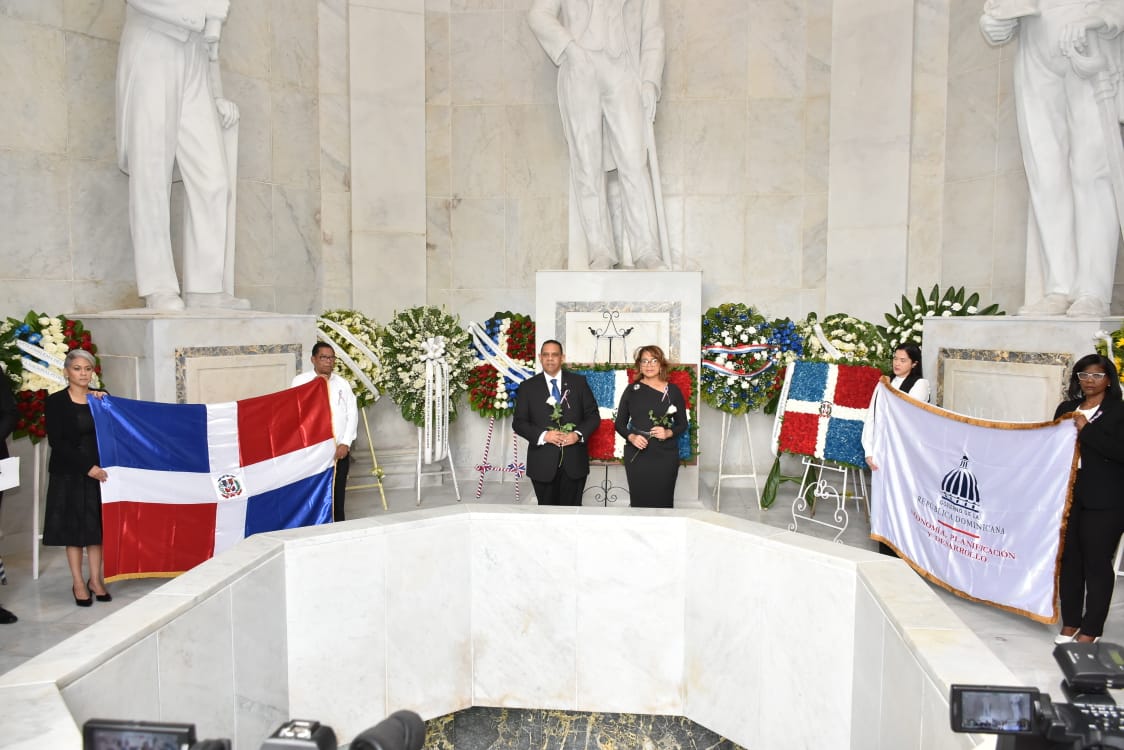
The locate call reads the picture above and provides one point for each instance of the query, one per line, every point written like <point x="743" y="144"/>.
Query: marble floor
<point x="48" y="615"/>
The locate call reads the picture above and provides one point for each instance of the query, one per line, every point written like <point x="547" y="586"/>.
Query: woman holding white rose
<point x="651" y="416"/>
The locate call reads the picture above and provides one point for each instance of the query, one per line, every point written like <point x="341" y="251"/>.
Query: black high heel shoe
<point x="89" y="600"/>
<point x="106" y="597"/>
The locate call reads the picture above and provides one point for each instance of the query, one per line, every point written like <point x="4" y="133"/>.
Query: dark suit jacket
<point x="1100" y="480"/>
<point x="9" y="413"/>
<point x="67" y="455"/>
<point x="532" y="418"/>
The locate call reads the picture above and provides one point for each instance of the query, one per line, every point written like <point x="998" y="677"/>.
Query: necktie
<point x="554" y="389"/>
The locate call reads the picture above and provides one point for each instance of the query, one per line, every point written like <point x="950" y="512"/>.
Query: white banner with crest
<point x="975" y="506"/>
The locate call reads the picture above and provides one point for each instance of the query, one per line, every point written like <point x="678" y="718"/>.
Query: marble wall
<point x="63" y="202"/>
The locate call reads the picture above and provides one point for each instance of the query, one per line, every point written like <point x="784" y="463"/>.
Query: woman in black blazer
<point x="1096" y="515"/>
<point x="73" y="515"/>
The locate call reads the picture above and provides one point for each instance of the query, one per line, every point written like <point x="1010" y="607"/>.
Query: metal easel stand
<point x="36" y="494"/>
<point x="605" y="491"/>
<point x="514" y="467"/>
<point x="452" y="471"/>
<point x="376" y="472"/>
<point x="823" y="489"/>
<point x="727" y="421"/>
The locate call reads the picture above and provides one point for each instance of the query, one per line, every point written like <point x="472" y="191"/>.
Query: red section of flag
<point x="266" y="431"/>
<point x="602" y="441"/>
<point x="854" y="386"/>
<point x="798" y="433"/>
<point x="155" y="538"/>
<point x="684" y="381"/>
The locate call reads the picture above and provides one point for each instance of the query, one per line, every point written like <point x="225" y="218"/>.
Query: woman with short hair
<point x="73" y="516"/>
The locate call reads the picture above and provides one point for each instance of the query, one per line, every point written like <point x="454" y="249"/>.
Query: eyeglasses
<point x="1090" y="376"/>
<point x="649" y="361"/>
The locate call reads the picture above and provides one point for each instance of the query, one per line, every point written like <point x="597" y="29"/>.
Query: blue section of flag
<point x="304" y="503"/>
<point x="809" y="381"/>
<point x="148" y="435"/>
<point x="603" y="385"/>
<point x="844" y="442"/>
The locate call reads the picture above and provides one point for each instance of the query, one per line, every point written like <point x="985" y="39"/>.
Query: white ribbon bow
<point x="435" y="444"/>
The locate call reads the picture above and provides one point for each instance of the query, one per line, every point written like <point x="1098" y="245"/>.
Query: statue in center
<point x="610" y="58"/>
<point x="171" y="113"/>
<point x="1066" y="63"/>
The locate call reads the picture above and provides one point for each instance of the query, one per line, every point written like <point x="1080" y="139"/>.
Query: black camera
<point x="1025" y="718"/>
<point x="402" y="730"/>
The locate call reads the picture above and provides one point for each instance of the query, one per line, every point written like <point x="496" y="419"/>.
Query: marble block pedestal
<point x="1011" y="368"/>
<point x="199" y="356"/>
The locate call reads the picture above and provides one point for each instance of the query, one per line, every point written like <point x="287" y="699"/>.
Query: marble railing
<point x="770" y="638"/>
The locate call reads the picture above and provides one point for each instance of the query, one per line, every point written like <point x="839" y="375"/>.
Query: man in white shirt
<point x="345" y="415"/>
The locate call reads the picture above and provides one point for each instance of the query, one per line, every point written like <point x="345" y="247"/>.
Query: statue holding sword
<point x="1067" y="89"/>
<point x="610" y="57"/>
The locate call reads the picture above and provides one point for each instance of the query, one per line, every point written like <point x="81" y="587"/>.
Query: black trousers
<point x="562" y="490"/>
<point x="340" y="487"/>
<point x="1087" y="575"/>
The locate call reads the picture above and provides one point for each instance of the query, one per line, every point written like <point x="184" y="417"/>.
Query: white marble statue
<point x="610" y="57"/>
<point x="1069" y="139"/>
<point x="170" y="112"/>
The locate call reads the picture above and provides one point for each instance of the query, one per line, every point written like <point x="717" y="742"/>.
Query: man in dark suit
<point x="9" y="414"/>
<point x="557" y="461"/>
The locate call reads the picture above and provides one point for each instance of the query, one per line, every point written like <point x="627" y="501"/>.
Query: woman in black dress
<point x="1096" y="515"/>
<point x="650" y="417"/>
<point x="73" y="517"/>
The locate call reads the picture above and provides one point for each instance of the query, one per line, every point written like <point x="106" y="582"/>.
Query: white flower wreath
<point x="401" y="351"/>
<point x="355" y="337"/>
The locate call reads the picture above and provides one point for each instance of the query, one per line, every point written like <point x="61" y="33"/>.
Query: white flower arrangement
<point x="402" y="344"/>
<point x="906" y="322"/>
<point x="354" y="337"/>
<point x="842" y="338"/>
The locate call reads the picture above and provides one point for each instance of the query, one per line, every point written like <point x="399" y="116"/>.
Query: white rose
<point x="550" y="401"/>
<point x="971" y="309"/>
<point x="728" y="341"/>
<point x="946" y="313"/>
<point x="671" y="409"/>
<point x="957" y="307"/>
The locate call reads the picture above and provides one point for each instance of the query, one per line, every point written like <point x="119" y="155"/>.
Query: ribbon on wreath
<point x="342" y="354"/>
<point x="737" y="350"/>
<point x="435" y="445"/>
<point x="491" y="353"/>
<point x="34" y="359"/>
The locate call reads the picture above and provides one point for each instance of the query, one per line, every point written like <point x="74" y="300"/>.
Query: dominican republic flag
<point x="974" y="505"/>
<point x="824" y="410"/>
<point x="187" y="481"/>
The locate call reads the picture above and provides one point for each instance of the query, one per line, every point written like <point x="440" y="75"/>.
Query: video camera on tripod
<point x="1026" y="718"/>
